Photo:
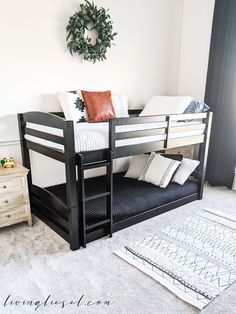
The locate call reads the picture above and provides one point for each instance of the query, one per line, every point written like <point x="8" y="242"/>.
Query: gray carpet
<point x="36" y="263"/>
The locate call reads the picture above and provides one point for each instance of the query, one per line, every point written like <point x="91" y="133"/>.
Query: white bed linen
<point x="94" y="136"/>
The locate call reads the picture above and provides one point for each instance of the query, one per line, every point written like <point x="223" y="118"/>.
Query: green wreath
<point x="89" y="14"/>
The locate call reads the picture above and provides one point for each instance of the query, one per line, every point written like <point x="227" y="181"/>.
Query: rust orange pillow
<point x="99" y="106"/>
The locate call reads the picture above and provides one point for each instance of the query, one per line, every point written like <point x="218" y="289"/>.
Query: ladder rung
<point x="96" y="165"/>
<point x="103" y="222"/>
<point x="92" y="197"/>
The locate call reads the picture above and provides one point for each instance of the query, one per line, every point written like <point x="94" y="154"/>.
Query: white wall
<point x="195" y="44"/>
<point x="35" y="64"/>
<point x="161" y="48"/>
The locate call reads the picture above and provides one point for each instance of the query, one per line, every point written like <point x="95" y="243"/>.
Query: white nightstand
<point x="14" y="196"/>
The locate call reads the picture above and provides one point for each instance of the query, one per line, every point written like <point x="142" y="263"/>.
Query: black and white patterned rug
<point x="194" y="258"/>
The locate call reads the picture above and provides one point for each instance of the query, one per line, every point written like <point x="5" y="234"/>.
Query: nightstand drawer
<point x="13" y="216"/>
<point x="11" y="200"/>
<point x="14" y="196"/>
<point x="11" y="186"/>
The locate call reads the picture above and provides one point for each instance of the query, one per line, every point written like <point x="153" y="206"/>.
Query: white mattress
<point x="94" y="136"/>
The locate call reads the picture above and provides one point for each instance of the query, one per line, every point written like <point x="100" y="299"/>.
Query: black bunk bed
<point x="86" y="209"/>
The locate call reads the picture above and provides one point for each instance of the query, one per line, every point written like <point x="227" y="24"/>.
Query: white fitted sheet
<point x="94" y="136"/>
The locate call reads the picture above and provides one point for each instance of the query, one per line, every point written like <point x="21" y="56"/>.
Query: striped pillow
<point x="159" y="170"/>
<point x="136" y="166"/>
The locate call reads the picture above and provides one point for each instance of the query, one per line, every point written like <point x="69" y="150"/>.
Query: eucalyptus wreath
<point x="99" y="20"/>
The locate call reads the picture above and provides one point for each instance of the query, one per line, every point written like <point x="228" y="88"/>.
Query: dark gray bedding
<point x="130" y="196"/>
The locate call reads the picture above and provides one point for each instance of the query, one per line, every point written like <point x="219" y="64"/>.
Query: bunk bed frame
<point x="68" y="218"/>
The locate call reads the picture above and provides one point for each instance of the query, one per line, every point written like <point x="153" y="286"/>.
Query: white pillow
<point x="73" y="106"/>
<point x="184" y="171"/>
<point x="159" y="105"/>
<point x="136" y="166"/>
<point x="120" y="104"/>
<point x="159" y="170"/>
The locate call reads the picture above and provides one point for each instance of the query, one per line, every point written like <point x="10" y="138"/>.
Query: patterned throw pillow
<point x="73" y="106"/>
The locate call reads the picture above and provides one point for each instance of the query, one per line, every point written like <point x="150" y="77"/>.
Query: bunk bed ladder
<point x="83" y="198"/>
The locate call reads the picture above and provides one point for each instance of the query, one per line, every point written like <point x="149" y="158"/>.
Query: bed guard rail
<point x="43" y="119"/>
<point x="160" y="133"/>
<point x="127" y="136"/>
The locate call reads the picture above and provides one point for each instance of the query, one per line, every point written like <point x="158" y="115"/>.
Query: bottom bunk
<point x="130" y="196"/>
<point x="133" y="201"/>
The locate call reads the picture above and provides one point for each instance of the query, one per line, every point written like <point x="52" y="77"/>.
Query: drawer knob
<point x="6" y="201"/>
<point x="8" y="216"/>
<point x="4" y="186"/>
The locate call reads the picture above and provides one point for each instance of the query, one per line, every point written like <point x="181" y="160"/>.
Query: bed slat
<point x="45" y="136"/>
<point x="51" y="200"/>
<point x="58" y="229"/>
<point x="49" y="213"/>
<point x="139" y="149"/>
<point x="187" y="128"/>
<point x="140" y="120"/>
<point x="143" y="133"/>
<point x="185" y="141"/>
<point x="50" y="152"/>
<point x="187" y="116"/>
<point x="93" y="156"/>
<point x="44" y="118"/>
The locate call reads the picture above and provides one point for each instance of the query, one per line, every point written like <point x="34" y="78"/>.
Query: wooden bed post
<point x="71" y="185"/>
<point x="81" y="200"/>
<point x="166" y="144"/>
<point x="24" y="150"/>
<point x="109" y="176"/>
<point x="203" y="153"/>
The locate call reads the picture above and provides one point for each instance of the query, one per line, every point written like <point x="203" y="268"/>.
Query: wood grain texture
<point x="14" y="196"/>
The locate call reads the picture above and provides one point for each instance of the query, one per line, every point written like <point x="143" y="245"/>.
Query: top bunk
<point x="51" y="135"/>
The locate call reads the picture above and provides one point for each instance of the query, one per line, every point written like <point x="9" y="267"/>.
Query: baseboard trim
<point x="9" y="142"/>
